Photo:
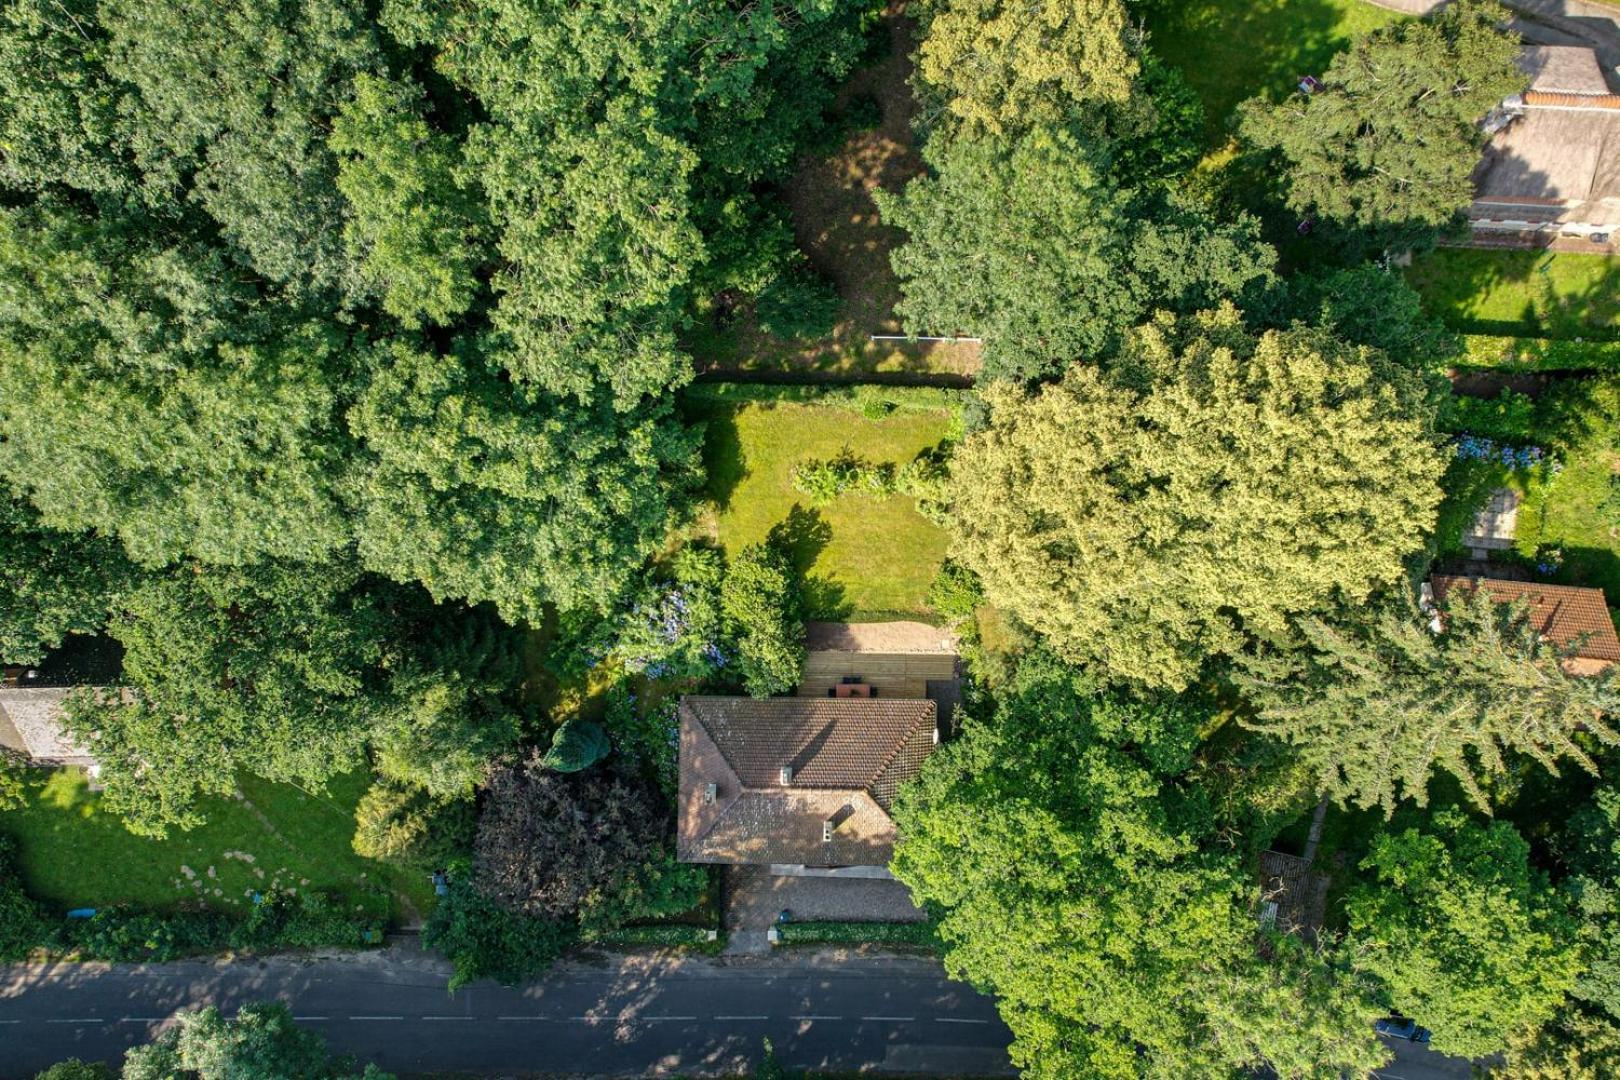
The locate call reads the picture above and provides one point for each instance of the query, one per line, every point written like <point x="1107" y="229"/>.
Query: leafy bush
<point x="926" y="479"/>
<point x="955" y="593"/>
<point x="130" y="935"/>
<point x="762" y="605"/>
<point x="875" y="933"/>
<point x="798" y="305"/>
<point x="671" y="625"/>
<point x="1510" y="416"/>
<point x="649" y="737"/>
<point x="485" y="941"/>
<point x="23" y="926"/>
<point x="578" y="744"/>
<point x="74" y="1069"/>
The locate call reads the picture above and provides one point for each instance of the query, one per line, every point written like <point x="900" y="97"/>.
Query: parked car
<point x="1400" y="1028"/>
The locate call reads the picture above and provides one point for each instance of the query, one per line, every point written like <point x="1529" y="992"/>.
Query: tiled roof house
<point x="1563" y="614"/>
<point x="801" y="780"/>
<point x="1552" y="166"/>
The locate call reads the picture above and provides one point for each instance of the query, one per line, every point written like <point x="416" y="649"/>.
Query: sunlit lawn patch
<point x="1521" y="293"/>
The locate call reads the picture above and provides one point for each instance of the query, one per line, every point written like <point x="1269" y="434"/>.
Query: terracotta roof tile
<point x="1563" y="614"/>
<point x="848" y="755"/>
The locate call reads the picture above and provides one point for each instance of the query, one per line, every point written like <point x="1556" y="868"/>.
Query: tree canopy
<point x="1213" y="487"/>
<point x="1378" y="702"/>
<point x="1462" y="933"/>
<point x="1391" y="139"/>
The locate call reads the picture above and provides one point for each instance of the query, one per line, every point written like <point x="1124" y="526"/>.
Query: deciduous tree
<point x="54" y="583"/>
<point x="1214" y="487"/>
<point x="1461" y="933"/>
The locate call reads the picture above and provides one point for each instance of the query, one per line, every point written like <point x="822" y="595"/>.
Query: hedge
<point x="1538" y="354"/>
<point x="872" y="401"/>
<point x="858" y="933"/>
<point x="669" y="934"/>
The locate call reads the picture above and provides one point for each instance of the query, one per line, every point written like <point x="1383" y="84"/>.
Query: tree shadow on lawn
<point x="803" y="535"/>
<point x="724" y="463"/>
<point x="1452" y="279"/>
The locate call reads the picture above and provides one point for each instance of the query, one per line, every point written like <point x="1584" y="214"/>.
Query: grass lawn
<point x="864" y="557"/>
<point x="1231" y="50"/>
<point x="838" y="227"/>
<point x="74" y="855"/>
<point x="1521" y="293"/>
<point x="1565" y="514"/>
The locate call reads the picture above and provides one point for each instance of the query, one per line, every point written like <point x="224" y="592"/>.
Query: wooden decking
<point x="896" y="675"/>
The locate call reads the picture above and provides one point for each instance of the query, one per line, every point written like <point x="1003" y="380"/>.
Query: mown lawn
<point x="863" y="557"/>
<point x="1565" y="514"/>
<point x="1231" y="50"/>
<point x="1521" y="293"/>
<point x="76" y="855"/>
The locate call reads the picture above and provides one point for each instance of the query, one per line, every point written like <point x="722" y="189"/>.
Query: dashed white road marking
<point x="520" y="1018"/>
<point x="449" y="1017"/>
<point x="376" y="1018"/>
<point x="147" y="1019"/>
<point x="958" y="1020"/>
<point x="668" y="1018"/>
<point x="895" y="1019"/>
<point x="79" y="1020"/>
<point x="310" y="1019"/>
<point x="815" y="1018"/>
<point x="742" y="1018"/>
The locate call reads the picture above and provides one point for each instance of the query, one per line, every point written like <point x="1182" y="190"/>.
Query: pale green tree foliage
<point x="149" y="397"/>
<point x="54" y="584"/>
<point x="1589" y="847"/>
<point x="1575" y="1046"/>
<point x="1242" y="482"/>
<point x="1391" y="139"/>
<point x="412" y="225"/>
<point x="1032" y="248"/>
<point x="1073" y="889"/>
<point x="227" y="103"/>
<point x="261" y="1040"/>
<point x="997" y="67"/>
<point x="1377" y="703"/>
<point x="57" y="118"/>
<point x="278" y="670"/>
<point x="1461" y="933"/>
<point x="480" y="494"/>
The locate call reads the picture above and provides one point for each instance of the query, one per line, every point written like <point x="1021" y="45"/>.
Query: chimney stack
<point x="827" y="831"/>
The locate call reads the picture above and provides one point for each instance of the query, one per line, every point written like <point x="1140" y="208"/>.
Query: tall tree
<point x="150" y="396"/>
<point x="54" y="583"/>
<point x="413" y="225"/>
<point x="261" y="1040"/>
<point x="227" y="105"/>
<point x="1389" y="141"/>
<point x="479" y="493"/>
<point x="994" y="67"/>
<point x="1212" y="488"/>
<point x="278" y="669"/>
<point x="1073" y="889"/>
<point x="1080" y="263"/>
<point x="1378" y="703"/>
<point x="1461" y="933"/>
<point x="1589" y="847"/>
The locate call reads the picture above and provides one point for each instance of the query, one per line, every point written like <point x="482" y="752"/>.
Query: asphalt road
<point x="618" y="1015"/>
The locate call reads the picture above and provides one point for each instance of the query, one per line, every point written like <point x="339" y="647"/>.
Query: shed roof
<point x="848" y="757"/>
<point x="1563" y="614"/>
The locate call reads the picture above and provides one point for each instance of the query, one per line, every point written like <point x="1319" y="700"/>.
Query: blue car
<point x="1397" y="1028"/>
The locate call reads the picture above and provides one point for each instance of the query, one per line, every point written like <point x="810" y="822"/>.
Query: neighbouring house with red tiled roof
<point x="804" y="781"/>
<point x="1565" y="615"/>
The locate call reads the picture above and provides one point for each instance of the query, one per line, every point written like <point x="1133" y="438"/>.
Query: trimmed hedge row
<point x="668" y="934"/>
<point x="1538" y="354"/>
<point x="858" y="933"/>
<point x="869" y="400"/>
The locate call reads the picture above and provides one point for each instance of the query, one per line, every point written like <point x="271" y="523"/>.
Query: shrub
<point x="762" y="605"/>
<point x="670" y="626"/>
<point x="648" y="737"/>
<point x="23" y="926"/>
<point x="485" y="941"/>
<point x="1509" y="416"/>
<point x="578" y="744"/>
<point x="670" y="934"/>
<point x="408" y="827"/>
<point x="875" y="933"/>
<point x="132" y="935"/>
<point x="825" y="480"/>
<point x="1539" y="354"/>
<point x="798" y="304"/>
<point x="74" y="1069"/>
<point x="955" y="593"/>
